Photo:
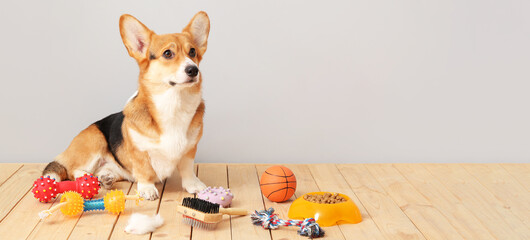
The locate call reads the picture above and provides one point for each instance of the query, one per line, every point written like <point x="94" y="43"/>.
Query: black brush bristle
<point x="200" y="205"/>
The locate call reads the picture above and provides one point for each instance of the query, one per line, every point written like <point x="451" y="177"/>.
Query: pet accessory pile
<point x="269" y="220"/>
<point x="73" y="204"/>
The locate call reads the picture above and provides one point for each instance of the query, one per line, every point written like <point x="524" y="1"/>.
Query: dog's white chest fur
<point x="175" y="112"/>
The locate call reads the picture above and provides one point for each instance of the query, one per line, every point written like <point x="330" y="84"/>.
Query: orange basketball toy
<point x="278" y="183"/>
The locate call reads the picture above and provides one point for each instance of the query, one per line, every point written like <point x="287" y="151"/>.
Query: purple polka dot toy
<point x="219" y="195"/>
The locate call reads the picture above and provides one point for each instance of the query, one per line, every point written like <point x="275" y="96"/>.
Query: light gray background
<point x="285" y="81"/>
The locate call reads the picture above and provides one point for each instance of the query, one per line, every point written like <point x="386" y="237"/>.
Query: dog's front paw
<point x="193" y="184"/>
<point x="107" y="180"/>
<point x="148" y="191"/>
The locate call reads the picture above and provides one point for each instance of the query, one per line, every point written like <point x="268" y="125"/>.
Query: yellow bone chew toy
<point x="72" y="203"/>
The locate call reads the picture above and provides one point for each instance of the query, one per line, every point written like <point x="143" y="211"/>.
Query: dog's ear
<point x="199" y="29"/>
<point x="136" y="36"/>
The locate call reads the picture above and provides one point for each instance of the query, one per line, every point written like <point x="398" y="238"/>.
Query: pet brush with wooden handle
<point x="203" y="214"/>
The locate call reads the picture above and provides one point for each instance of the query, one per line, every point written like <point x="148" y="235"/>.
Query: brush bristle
<point x="200" y="205"/>
<point x="198" y="224"/>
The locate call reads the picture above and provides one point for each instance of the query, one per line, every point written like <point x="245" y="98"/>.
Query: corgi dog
<point x="161" y="124"/>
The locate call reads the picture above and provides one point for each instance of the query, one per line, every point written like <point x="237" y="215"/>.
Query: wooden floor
<point x="397" y="201"/>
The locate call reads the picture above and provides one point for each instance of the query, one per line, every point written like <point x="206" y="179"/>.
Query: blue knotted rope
<point x="269" y="220"/>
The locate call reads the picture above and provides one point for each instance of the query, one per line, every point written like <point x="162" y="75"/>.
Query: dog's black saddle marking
<point x="110" y="126"/>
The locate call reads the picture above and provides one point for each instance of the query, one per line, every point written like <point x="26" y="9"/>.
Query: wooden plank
<point x="305" y="184"/>
<point x="520" y="171"/>
<point x="330" y="179"/>
<point x="146" y="207"/>
<point x="392" y="222"/>
<point x="244" y="184"/>
<point x="173" y="227"/>
<point x="23" y="219"/>
<point x="56" y="226"/>
<point x="479" y="201"/>
<point x="14" y="188"/>
<point x="98" y="225"/>
<point x="499" y="220"/>
<point x="214" y="175"/>
<point x="429" y="220"/>
<point x="7" y="170"/>
<point x="469" y="226"/>
<point x="506" y="188"/>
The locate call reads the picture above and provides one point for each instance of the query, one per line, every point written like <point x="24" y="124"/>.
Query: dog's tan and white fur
<point x="160" y="126"/>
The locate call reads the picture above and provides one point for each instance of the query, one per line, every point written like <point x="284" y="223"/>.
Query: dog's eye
<point x="168" y="54"/>
<point x="192" y="52"/>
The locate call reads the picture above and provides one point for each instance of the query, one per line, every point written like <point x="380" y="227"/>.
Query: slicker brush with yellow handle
<point x="72" y="203"/>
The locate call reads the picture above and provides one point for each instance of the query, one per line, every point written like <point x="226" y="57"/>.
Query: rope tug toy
<point x="269" y="220"/>
<point x="72" y="203"/>
<point x="45" y="188"/>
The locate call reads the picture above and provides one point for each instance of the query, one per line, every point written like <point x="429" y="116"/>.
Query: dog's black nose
<point x="191" y="71"/>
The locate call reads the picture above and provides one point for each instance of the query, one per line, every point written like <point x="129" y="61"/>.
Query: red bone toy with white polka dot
<point x="45" y="188"/>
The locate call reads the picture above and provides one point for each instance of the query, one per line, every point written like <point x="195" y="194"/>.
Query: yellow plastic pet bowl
<point x="325" y="214"/>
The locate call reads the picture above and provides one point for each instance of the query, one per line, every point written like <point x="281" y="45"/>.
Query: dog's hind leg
<point x="55" y="171"/>
<point x="110" y="172"/>
<point x="82" y="156"/>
